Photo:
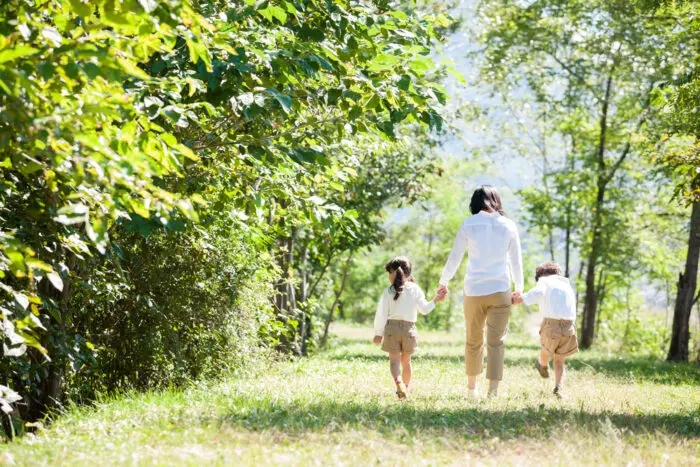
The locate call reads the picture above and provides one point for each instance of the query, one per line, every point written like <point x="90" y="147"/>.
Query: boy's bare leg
<point x="471" y="381"/>
<point x="544" y="358"/>
<point x="559" y="369"/>
<point x="395" y="365"/>
<point x="407" y="370"/>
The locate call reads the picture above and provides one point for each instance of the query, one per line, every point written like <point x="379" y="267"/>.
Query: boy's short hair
<point x="550" y="268"/>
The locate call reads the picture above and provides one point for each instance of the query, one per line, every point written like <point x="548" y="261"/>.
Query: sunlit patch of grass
<point x="338" y="408"/>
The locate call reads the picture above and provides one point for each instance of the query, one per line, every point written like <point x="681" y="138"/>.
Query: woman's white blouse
<point x="405" y="308"/>
<point x="493" y="245"/>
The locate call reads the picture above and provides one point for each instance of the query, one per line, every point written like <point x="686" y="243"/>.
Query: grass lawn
<point x="339" y="408"/>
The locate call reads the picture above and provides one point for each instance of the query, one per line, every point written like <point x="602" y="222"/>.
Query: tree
<point x="677" y="101"/>
<point x="596" y="64"/>
<point x="154" y="129"/>
<point x="77" y="155"/>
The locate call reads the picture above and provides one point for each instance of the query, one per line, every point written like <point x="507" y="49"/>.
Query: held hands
<point x="377" y="339"/>
<point x="516" y="298"/>
<point x="440" y="294"/>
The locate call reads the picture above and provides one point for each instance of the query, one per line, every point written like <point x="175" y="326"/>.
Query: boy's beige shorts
<point x="558" y="337"/>
<point x="400" y="336"/>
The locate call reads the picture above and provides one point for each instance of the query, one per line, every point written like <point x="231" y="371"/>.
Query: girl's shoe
<point x="543" y="370"/>
<point x="401" y="390"/>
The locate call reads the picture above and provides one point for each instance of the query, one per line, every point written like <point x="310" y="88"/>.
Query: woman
<point x="494" y="256"/>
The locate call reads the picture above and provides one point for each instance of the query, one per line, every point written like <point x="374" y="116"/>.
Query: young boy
<point x="395" y="320"/>
<point x="557" y="302"/>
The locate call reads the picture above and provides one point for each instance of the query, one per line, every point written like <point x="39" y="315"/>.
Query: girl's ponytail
<point x="402" y="266"/>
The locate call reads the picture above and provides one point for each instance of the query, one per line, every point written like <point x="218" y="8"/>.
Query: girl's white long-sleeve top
<point x="405" y="308"/>
<point x="493" y="246"/>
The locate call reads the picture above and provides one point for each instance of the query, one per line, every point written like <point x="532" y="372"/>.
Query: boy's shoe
<point x="543" y="370"/>
<point x="401" y="390"/>
<point x="472" y="393"/>
<point x="558" y="392"/>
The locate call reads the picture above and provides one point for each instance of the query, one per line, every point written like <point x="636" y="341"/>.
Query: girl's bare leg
<point x="395" y="365"/>
<point x="407" y="370"/>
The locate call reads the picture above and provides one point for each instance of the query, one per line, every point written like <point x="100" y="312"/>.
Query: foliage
<point x="678" y="96"/>
<point x="425" y="234"/>
<point x="162" y="160"/>
<point x="590" y="69"/>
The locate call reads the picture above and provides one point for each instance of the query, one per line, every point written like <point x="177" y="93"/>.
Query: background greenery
<point x="192" y="188"/>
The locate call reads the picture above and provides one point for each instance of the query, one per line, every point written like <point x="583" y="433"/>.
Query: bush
<point x="189" y="305"/>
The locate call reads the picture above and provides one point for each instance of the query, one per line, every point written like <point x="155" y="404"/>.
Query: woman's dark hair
<point x="547" y="269"/>
<point x="486" y="198"/>
<point x="402" y="266"/>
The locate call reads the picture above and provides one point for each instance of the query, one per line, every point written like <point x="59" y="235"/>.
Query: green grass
<point x="338" y="408"/>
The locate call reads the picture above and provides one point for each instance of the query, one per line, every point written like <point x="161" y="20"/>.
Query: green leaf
<point x="309" y="33"/>
<point x="82" y="8"/>
<point x="404" y="82"/>
<point x="284" y="100"/>
<point x="383" y="62"/>
<point x="457" y="75"/>
<point x="52" y="35"/>
<point x="132" y="69"/>
<point x="274" y="11"/>
<point x="199" y="51"/>
<point x="7" y="55"/>
<point x="72" y="214"/>
<point x="421" y="64"/>
<point x="186" y="208"/>
<point x="21" y="299"/>
<point x="55" y="280"/>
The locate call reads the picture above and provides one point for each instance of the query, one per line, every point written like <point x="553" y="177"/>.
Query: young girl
<point x="395" y="321"/>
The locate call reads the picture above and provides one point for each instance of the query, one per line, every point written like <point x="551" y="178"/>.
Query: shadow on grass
<point x="419" y="357"/>
<point x="403" y="418"/>
<point x="637" y="369"/>
<point x="339" y="342"/>
<point x="640" y="369"/>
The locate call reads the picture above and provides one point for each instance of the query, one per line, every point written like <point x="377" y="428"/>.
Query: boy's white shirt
<point x="405" y="308"/>
<point x="555" y="297"/>
<point x="493" y="244"/>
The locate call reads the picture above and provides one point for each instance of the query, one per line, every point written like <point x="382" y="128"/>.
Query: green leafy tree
<point x="677" y="101"/>
<point x="138" y="136"/>
<point x="592" y="65"/>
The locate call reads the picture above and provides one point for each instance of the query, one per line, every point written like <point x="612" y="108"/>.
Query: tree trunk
<point x="590" y="304"/>
<point x="569" y="208"/>
<point x="336" y="301"/>
<point x="687" y="283"/>
<point x="285" y="299"/>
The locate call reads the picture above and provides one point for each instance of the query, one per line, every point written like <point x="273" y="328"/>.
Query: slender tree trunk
<point x="336" y="301"/>
<point x="686" y="298"/>
<point x="600" y="294"/>
<point x="302" y="295"/>
<point x="569" y="208"/>
<point x="567" y="246"/>
<point x="590" y="304"/>
<point x="285" y="298"/>
<point x="591" y="300"/>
